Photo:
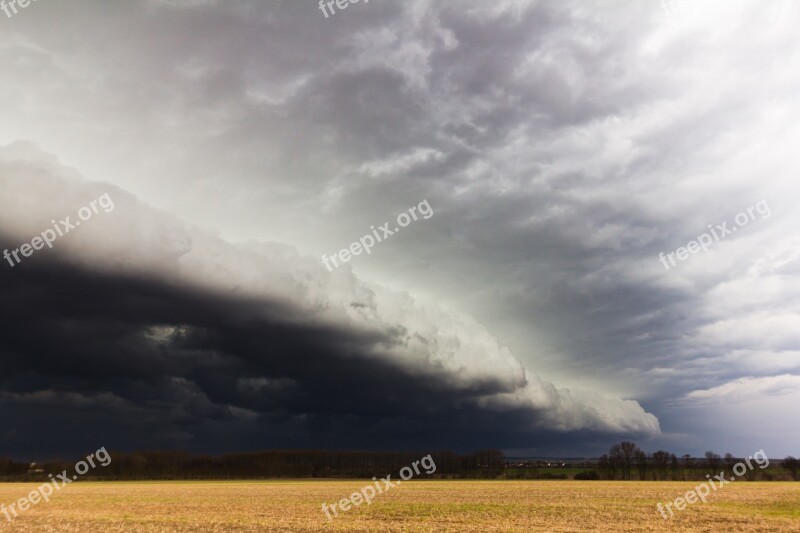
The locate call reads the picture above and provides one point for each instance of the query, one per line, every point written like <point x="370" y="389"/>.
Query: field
<point x="435" y="506"/>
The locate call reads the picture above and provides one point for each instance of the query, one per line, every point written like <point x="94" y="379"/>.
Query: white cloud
<point x="748" y="389"/>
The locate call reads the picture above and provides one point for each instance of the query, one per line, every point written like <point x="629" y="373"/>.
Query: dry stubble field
<point x="440" y="506"/>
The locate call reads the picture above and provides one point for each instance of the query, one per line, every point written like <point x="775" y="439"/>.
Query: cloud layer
<point x="139" y="314"/>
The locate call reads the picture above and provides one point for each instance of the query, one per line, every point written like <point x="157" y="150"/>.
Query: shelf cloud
<point x="139" y="312"/>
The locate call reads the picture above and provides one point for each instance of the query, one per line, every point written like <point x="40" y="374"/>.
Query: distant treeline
<point x="488" y="464"/>
<point x="628" y="462"/>
<point x="625" y="461"/>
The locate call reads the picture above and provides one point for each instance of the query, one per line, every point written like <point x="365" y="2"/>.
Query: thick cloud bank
<point x="137" y="329"/>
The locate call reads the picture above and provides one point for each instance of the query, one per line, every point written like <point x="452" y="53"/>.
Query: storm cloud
<point x="145" y="321"/>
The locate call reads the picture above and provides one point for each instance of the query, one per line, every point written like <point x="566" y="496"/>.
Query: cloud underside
<point x="148" y="331"/>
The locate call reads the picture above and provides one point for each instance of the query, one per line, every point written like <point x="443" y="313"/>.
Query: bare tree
<point x="641" y="462"/>
<point x="660" y="464"/>
<point x="713" y="461"/>
<point x="793" y="466"/>
<point x="623" y="455"/>
<point x="688" y="465"/>
<point x="673" y="463"/>
<point x="730" y="460"/>
<point x="607" y="465"/>
<point x="616" y="460"/>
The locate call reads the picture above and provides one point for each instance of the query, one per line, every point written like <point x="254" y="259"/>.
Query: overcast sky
<point x="562" y="146"/>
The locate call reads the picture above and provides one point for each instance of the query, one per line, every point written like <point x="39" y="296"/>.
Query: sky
<point x="600" y="240"/>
